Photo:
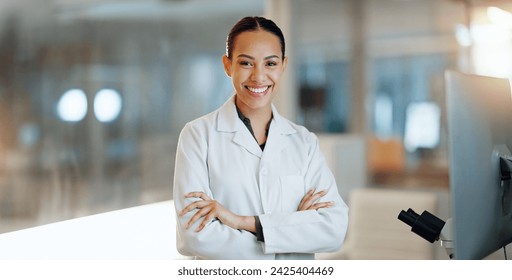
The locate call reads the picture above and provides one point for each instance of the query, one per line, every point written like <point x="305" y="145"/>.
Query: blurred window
<point x="399" y="83"/>
<point x="324" y="96"/>
<point x="422" y="127"/>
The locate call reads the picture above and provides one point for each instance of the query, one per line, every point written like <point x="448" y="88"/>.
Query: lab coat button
<point x="264" y="171"/>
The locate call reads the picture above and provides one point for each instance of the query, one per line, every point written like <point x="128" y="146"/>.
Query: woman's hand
<point x="210" y="209"/>
<point x="309" y="201"/>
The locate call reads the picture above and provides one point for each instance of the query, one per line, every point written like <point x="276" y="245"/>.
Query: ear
<point x="285" y="61"/>
<point x="227" y="65"/>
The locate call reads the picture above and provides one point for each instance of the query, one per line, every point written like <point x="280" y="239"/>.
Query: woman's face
<point x="255" y="68"/>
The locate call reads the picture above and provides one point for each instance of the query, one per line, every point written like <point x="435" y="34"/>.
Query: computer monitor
<point x="479" y="114"/>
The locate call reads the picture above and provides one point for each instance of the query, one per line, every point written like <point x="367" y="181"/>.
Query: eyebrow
<point x="251" y="57"/>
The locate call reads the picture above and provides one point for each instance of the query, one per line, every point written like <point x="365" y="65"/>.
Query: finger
<point x="202" y="212"/>
<point x="320" y="205"/>
<point x="205" y="221"/>
<point x="312" y="199"/>
<point x="202" y="207"/>
<point x="188" y="208"/>
<point x="192" y="206"/>
<point x="315" y="197"/>
<point x="306" y="197"/>
<point x="201" y="195"/>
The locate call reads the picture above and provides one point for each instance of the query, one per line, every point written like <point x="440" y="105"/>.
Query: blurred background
<point x="93" y="93"/>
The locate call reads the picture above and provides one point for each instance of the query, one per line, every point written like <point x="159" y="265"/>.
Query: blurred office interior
<point x="93" y="93"/>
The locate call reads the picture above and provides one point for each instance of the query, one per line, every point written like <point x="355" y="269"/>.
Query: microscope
<point x="430" y="228"/>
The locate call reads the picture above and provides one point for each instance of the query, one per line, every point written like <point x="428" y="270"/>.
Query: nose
<point x="258" y="74"/>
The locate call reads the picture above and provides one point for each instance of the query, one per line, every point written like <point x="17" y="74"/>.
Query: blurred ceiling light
<point x="500" y="17"/>
<point x="463" y="35"/>
<point x="490" y="52"/>
<point x="72" y="106"/>
<point x="107" y="105"/>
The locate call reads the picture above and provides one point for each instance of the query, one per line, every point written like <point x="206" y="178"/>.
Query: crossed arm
<point x="209" y="230"/>
<point x="210" y="209"/>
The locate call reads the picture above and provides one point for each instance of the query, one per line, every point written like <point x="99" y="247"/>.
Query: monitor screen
<point x="479" y="114"/>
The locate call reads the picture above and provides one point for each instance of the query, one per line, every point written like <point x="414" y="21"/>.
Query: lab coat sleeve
<point x="216" y="240"/>
<point x="311" y="231"/>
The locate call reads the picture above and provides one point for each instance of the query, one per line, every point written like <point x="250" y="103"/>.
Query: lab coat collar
<point x="228" y="121"/>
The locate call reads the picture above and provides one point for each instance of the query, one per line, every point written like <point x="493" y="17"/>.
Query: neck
<point x="259" y="115"/>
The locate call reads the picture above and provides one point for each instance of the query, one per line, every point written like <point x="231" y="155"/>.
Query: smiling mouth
<point x="258" y="90"/>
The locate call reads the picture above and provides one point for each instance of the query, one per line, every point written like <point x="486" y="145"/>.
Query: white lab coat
<point x="218" y="155"/>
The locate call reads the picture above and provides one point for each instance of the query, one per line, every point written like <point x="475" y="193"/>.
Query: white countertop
<point x="145" y="232"/>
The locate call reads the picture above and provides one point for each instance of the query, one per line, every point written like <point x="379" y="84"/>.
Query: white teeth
<point x="258" y="90"/>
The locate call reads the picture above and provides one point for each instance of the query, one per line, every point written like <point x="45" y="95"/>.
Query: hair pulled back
<point x="253" y="24"/>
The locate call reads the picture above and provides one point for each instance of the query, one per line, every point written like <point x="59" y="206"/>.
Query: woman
<point x="248" y="183"/>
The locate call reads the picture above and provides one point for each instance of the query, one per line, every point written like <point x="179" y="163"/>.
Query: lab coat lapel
<point x="277" y="137"/>
<point x="228" y="121"/>
<point x="246" y="140"/>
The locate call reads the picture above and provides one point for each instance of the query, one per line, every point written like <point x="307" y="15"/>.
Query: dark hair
<point x="253" y="24"/>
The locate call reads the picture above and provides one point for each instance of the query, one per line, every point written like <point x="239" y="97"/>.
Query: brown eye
<point x="245" y="63"/>
<point x="271" y="63"/>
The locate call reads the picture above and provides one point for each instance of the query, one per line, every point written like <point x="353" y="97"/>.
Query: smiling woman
<point x="255" y="69"/>
<point x="248" y="183"/>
